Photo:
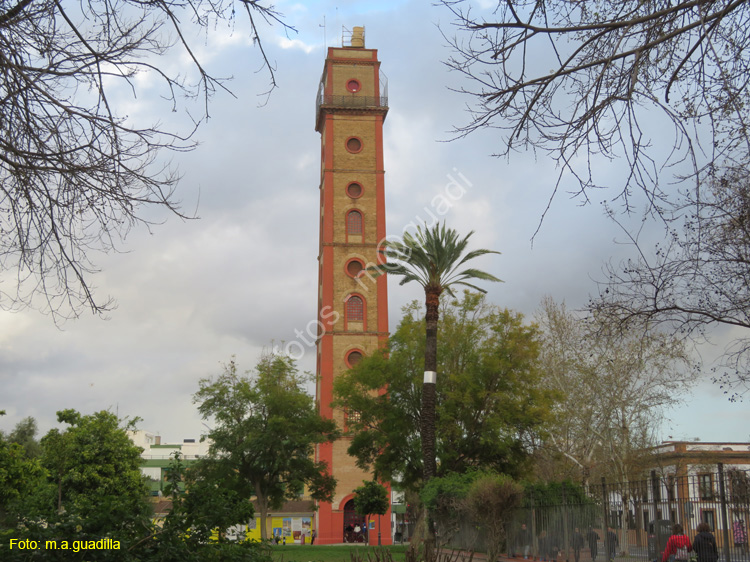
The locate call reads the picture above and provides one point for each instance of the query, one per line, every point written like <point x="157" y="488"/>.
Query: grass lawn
<point x="336" y="553"/>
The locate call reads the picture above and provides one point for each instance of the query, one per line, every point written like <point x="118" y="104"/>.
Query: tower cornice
<point x="331" y="104"/>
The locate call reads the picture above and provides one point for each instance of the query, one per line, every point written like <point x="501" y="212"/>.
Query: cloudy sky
<point x="243" y="275"/>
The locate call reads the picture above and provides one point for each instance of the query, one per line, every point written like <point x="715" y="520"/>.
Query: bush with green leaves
<point x="480" y="501"/>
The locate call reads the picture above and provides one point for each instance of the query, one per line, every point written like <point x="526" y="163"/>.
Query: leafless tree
<point x="658" y="91"/>
<point x="75" y="170"/>
<point x="739" y="488"/>
<point x="697" y="279"/>
<point x="613" y="385"/>
<point x="588" y="82"/>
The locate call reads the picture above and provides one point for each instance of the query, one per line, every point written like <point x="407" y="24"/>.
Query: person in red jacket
<point x="677" y="547"/>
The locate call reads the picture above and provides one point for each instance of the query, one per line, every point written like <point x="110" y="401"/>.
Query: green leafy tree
<point x="194" y="514"/>
<point x="489" y="406"/>
<point x="172" y="535"/>
<point x="201" y="508"/>
<point x="19" y="466"/>
<point x="88" y="486"/>
<point x="25" y="435"/>
<point x="19" y="475"/>
<point x="56" y="456"/>
<point x="212" y="501"/>
<point x="95" y="469"/>
<point x="371" y="499"/>
<point x="434" y="258"/>
<point x="265" y="430"/>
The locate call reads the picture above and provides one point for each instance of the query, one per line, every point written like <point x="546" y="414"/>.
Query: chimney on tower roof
<point x="358" y="37"/>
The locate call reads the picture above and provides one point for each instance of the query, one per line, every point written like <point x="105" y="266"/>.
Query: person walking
<point x="677" y="547"/>
<point x="553" y="543"/>
<point x="577" y="543"/>
<point x="523" y="542"/>
<point x="613" y="543"/>
<point x="593" y="540"/>
<point x="544" y="545"/>
<point x="704" y="544"/>
<point x="740" y="536"/>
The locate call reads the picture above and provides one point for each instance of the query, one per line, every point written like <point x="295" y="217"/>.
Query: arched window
<point x="354" y="223"/>
<point x="355" y="309"/>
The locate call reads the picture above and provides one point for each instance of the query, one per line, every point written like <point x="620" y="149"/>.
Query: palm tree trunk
<point x="429" y="391"/>
<point x="429" y="398"/>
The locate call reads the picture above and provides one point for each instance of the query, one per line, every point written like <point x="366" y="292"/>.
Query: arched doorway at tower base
<point x="355" y="526"/>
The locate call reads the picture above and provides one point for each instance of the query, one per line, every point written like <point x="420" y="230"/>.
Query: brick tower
<point x="352" y="306"/>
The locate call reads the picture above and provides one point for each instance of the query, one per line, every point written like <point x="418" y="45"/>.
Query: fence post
<point x="566" y="529"/>
<point x="605" y="520"/>
<point x="534" y="540"/>
<point x="655" y="495"/>
<point x="657" y="527"/>
<point x="724" y="522"/>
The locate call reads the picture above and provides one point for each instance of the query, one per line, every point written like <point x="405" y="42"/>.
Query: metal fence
<point x="631" y="520"/>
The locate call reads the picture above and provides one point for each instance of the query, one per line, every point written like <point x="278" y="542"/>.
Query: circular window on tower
<point x="354" y="358"/>
<point x="354" y="190"/>
<point x="354" y="144"/>
<point x="354" y="267"/>
<point x="353" y="85"/>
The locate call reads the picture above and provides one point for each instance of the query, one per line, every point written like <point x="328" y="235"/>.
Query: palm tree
<point x="433" y="258"/>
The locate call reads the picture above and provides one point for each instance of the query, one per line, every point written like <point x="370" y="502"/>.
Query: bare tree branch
<point x="75" y="173"/>
<point x="699" y="277"/>
<point x="579" y="80"/>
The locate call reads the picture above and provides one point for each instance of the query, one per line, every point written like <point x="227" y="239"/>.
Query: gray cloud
<point x="193" y="293"/>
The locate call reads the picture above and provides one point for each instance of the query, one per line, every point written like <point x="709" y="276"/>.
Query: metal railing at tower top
<point x="352" y="101"/>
